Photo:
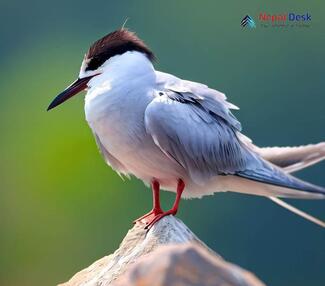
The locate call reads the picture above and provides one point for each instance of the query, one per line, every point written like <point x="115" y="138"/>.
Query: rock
<point x="169" y="254"/>
<point x="187" y="264"/>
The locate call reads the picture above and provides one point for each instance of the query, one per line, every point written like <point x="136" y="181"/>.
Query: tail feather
<point x="273" y="192"/>
<point x="297" y="211"/>
<point x="273" y="179"/>
<point x="293" y="159"/>
<point x="240" y="184"/>
<point x="273" y="175"/>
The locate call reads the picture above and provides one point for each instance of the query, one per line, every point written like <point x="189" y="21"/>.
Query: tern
<point x="178" y="135"/>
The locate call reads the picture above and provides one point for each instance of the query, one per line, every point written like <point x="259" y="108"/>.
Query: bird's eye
<point x="161" y="93"/>
<point x="93" y="64"/>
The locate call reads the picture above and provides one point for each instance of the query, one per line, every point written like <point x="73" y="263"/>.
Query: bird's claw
<point x="147" y="217"/>
<point x="158" y="218"/>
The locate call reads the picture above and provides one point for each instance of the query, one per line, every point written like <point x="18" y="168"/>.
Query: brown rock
<point x="168" y="255"/>
<point x="187" y="264"/>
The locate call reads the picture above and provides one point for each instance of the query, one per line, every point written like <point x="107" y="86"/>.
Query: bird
<point x="178" y="135"/>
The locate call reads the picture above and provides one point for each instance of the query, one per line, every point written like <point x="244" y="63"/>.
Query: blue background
<point x="61" y="207"/>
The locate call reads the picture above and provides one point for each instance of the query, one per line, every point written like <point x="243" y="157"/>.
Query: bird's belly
<point x="135" y="149"/>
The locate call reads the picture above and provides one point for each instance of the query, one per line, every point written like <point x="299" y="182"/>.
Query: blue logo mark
<point x="248" y="21"/>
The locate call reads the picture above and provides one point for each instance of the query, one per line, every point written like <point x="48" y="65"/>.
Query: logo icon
<point x="248" y="21"/>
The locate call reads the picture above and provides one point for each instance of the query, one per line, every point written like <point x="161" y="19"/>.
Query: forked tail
<point x="293" y="159"/>
<point x="274" y="175"/>
<point x="297" y="211"/>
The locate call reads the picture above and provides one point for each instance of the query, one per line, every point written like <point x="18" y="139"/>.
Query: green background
<point x="61" y="207"/>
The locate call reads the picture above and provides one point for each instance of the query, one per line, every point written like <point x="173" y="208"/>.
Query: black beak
<point x="79" y="85"/>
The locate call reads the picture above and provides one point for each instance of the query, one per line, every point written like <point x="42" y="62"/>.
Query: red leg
<point x="156" y="210"/>
<point x="174" y="209"/>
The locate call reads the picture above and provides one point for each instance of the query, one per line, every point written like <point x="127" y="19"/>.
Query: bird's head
<point x="98" y="55"/>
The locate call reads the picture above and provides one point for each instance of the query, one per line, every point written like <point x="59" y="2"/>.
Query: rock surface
<point x="169" y="254"/>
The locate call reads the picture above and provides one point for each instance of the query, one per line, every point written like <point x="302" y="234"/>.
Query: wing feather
<point x="197" y="129"/>
<point x="200" y="133"/>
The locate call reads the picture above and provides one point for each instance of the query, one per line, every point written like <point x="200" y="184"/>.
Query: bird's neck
<point x="125" y="83"/>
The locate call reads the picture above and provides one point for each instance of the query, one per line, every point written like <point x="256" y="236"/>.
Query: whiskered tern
<point x="179" y="135"/>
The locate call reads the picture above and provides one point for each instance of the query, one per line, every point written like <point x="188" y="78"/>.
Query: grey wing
<point x="111" y="160"/>
<point x="193" y="125"/>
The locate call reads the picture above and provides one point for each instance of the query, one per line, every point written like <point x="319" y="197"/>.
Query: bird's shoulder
<point x="209" y="103"/>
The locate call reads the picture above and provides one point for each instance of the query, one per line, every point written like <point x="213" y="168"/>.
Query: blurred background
<point x="61" y="207"/>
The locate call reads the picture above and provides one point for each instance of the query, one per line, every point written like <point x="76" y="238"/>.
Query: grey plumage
<point x="194" y="126"/>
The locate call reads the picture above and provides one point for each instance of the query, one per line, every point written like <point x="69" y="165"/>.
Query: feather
<point x="297" y="211"/>
<point x="293" y="159"/>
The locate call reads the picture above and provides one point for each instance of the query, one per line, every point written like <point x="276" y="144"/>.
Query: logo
<point x="248" y="21"/>
<point x="278" y="20"/>
<point x="284" y="17"/>
<point x="284" y="20"/>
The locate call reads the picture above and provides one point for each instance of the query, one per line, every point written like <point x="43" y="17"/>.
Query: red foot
<point x="157" y="213"/>
<point x="156" y="210"/>
<point x="147" y="218"/>
<point x="159" y="217"/>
